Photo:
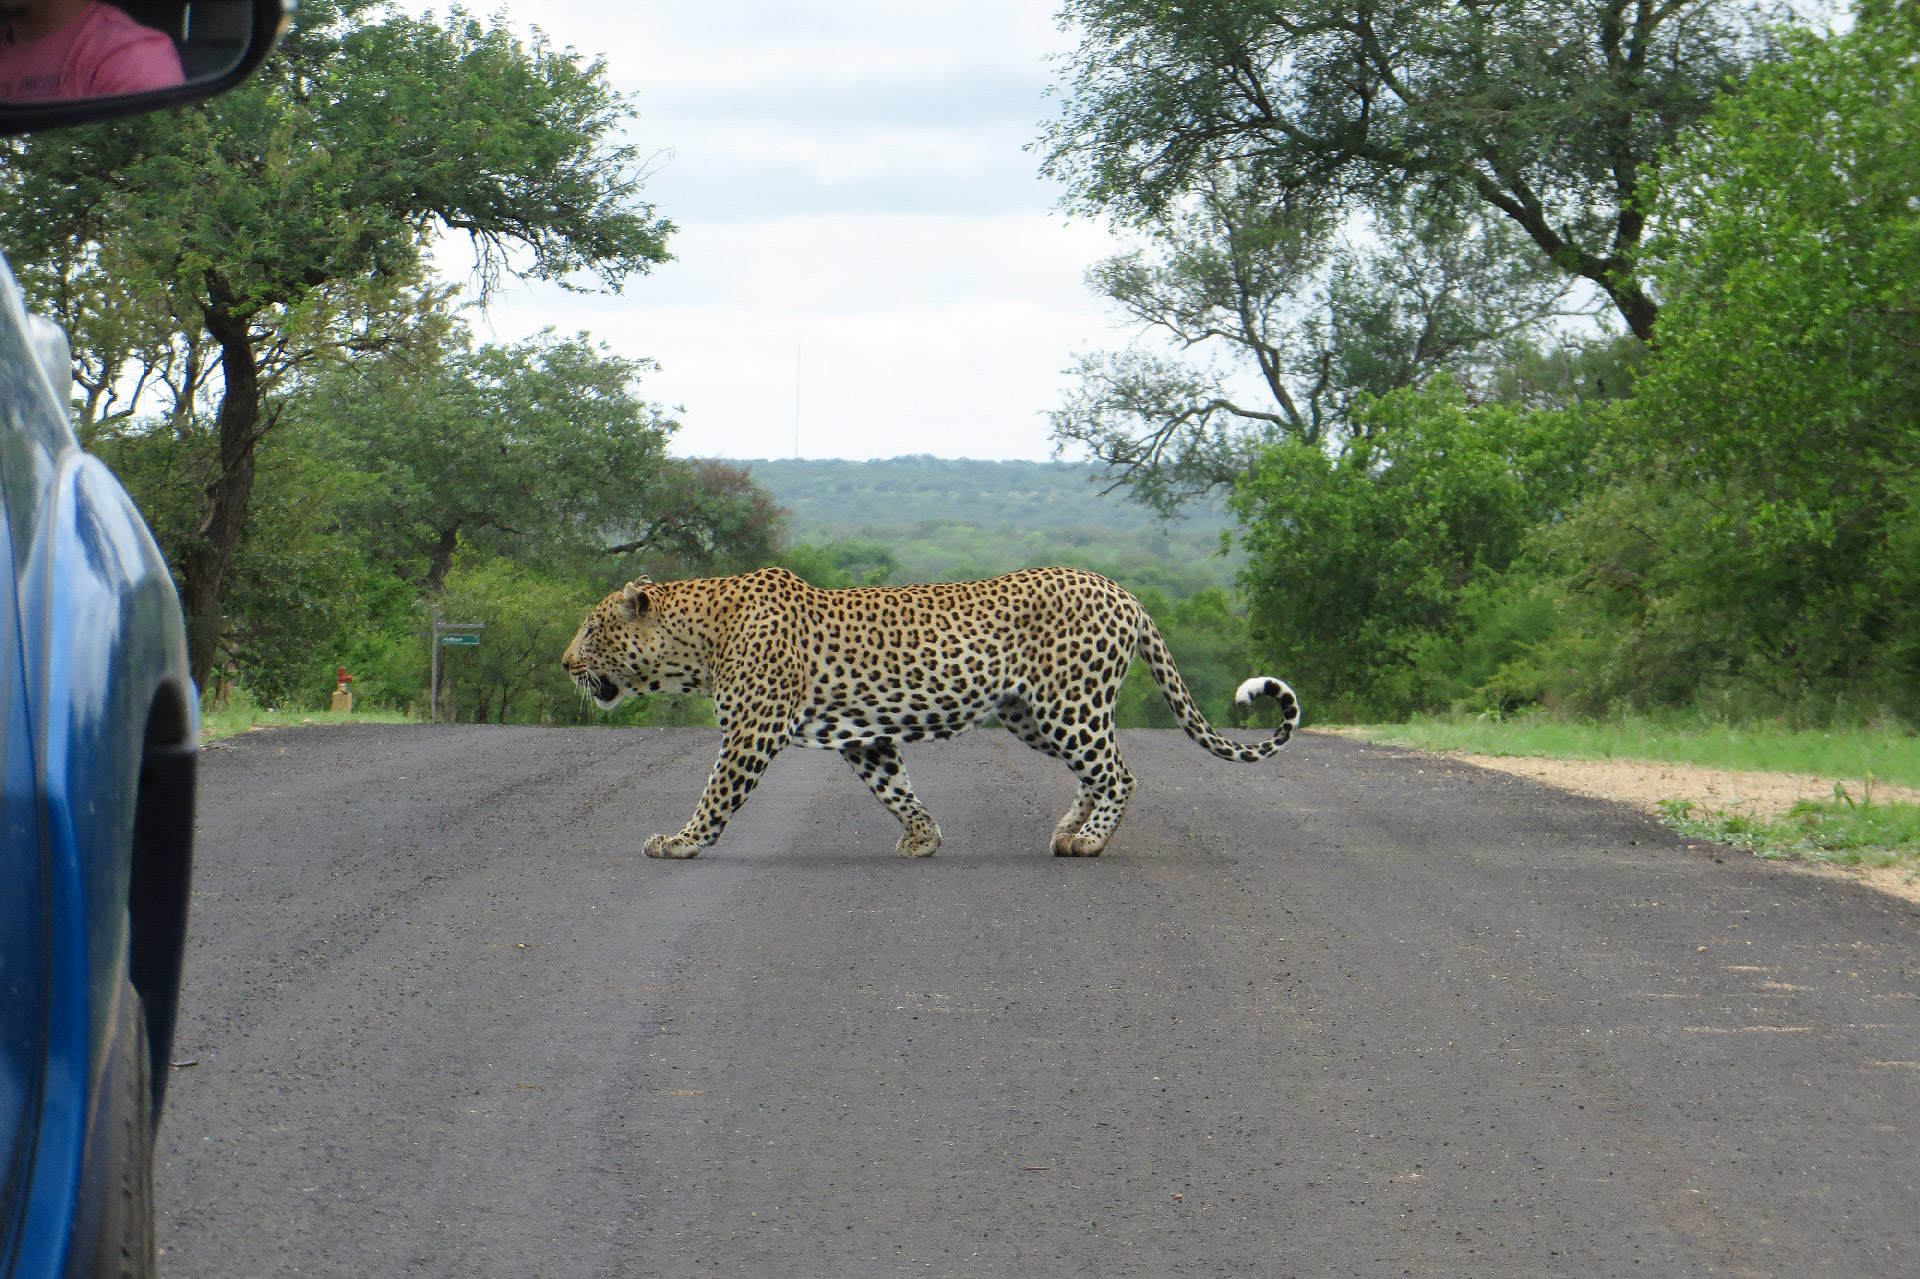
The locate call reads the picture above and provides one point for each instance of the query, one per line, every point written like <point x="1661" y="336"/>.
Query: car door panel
<point x="98" y="638"/>
<point x="24" y="920"/>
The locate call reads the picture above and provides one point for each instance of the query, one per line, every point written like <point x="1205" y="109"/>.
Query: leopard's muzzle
<point x="600" y="688"/>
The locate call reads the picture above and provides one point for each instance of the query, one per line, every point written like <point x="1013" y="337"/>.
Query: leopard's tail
<point x="1153" y="650"/>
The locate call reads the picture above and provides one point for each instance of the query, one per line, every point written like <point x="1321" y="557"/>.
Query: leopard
<point x="864" y="670"/>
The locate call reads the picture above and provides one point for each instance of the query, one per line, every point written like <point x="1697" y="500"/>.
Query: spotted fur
<point x="861" y="671"/>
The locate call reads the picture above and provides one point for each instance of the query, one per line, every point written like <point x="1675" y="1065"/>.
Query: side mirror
<point x="72" y="61"/>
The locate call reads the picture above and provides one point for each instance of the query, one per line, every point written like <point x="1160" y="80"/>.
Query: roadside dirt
<point x="1643" y="785"/>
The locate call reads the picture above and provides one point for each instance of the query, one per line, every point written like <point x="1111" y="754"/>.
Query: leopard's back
<point x="933" y="660"/>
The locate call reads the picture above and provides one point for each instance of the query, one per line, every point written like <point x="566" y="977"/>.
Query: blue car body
<point x="98" y="732"/>
<point x="99" y="718"/>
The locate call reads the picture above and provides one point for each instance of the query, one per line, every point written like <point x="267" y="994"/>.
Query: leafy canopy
<point x="254" y="239"/>
<point x="1545" y="114"/>
<point x="533" y="446"/>
<point x="1362" y="562"/>
<point x="1320" y="317"/>
<point x="1767" y="532"/>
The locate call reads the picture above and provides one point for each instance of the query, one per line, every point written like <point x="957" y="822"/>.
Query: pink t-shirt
<point x="100" y="54"/>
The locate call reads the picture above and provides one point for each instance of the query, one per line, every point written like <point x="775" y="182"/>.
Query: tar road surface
<point x="1349" y="1012"/>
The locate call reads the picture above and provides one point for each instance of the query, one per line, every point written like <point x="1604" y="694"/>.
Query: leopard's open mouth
<point x="603" y="690"/>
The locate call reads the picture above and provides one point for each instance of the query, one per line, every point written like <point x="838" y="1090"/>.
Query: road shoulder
<point x="1643" y="784"/>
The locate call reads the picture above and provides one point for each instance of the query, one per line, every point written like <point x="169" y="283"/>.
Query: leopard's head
<point x="625" y="646"/>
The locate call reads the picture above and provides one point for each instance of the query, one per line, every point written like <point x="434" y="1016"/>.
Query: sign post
<point x="451" y="635"/>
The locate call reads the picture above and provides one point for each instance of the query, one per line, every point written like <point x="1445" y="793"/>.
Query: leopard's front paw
<point x="1062" y="841"/>
<point x="675" y="847"/>
<point x="1079" y="846"/>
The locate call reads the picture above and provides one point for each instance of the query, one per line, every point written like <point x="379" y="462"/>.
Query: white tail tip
<point x="1265" y="686"/>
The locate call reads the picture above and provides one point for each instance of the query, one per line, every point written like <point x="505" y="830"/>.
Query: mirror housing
<point x="220" y="43"/>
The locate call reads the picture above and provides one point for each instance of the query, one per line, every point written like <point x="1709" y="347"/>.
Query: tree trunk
<point x="441" y="558"/>
<point x="209" y="550"/>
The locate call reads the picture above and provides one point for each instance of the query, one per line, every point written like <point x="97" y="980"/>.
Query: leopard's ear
<point x="633" y="601"/>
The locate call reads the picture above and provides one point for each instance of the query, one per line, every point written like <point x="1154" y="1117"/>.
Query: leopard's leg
<point x="878" y="764"/>
<point x="1018" y="719"/>
<point x="1091" y="750"/>
<point x="743" y="759"/>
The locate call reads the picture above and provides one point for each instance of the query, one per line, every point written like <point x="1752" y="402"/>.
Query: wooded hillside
<point x="929" y="519"/>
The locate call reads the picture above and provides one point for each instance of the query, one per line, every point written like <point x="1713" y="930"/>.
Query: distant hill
<point x="833" y="498"/>
<point x="946" y="519"/>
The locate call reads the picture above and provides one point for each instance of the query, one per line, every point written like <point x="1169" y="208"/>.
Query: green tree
<point x="302" y="597"/>
<point x="285" y="222"/>
<point x="514" y="672"/>
<point x="1764" y="530"/>
<point x="1317" y="317"/>
<point x="700" y="516"/>
<point x="1548" y="115"/>
<point x="1362" y="560"/>
<point x="302" y="600"/>
<point x="839" y="565"/>
<point x="536" y="448"/>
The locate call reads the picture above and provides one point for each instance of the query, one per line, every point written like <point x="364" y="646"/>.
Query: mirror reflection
<point x="80" y="50"/>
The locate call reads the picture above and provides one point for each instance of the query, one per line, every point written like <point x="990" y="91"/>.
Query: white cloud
<point x="851" y="176"/>
<point x="918" y="333"/>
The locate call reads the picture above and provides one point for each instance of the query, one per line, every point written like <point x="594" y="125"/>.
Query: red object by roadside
<point x="343" y="678"/>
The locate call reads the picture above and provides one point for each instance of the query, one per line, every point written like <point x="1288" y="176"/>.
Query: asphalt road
<point x="1351" y="1012"/>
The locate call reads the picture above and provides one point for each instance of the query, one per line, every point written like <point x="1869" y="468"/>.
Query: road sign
<point x="463" y="635"/>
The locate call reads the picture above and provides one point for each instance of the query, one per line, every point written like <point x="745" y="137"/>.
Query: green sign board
<point x="460" y="641"/>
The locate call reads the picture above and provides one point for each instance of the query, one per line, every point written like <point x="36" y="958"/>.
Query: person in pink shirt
<point x="57" y="50"/>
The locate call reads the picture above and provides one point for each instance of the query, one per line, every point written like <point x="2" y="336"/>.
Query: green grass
<point x="1888" y="752"/>
<point x="1838" y="830"/>
<point x="215" y="725"/>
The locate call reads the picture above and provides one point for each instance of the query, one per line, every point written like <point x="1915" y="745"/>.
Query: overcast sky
<point x="848" y="177"/>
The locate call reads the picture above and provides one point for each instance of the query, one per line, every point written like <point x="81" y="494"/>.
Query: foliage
<point x="1546" y="115"/>
<point x="1320" y="317"/>
<point x="514" y="672"/>
<point x="1366" y="561"/>
<point x="698" y="516"/>
<point x="514" y="675"/>
<point x="515" y="669"/>
<point x="1567" y="372"/>
<point x="1726" y="521"/>
<point x="840" y="565"/>
<point x="283" y="224"/>
<point x="539" y="447"/>
<point x="302" y="599"/>
<point x="1764" y="534"/>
